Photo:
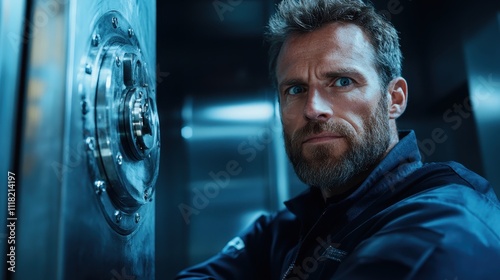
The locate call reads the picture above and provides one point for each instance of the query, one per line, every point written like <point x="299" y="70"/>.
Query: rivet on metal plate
<point x="114" y="21"/>
<point x="100" y="186"/>
<point x="90" y="141"/>
<point x="96" y="39"/>
<point x="88" y="68"/>
<point x="118" y="216"/>
<point x="119" y="159"/>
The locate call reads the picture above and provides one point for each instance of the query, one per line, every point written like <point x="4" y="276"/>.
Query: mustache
<point x="315" y="127"/>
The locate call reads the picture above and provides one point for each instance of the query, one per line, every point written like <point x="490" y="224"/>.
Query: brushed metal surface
<point x="10" y="57"/>
<point x="62" y="231"/>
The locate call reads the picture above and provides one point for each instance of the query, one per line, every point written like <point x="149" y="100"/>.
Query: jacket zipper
<point x="289" y="268"/>
<point x="292" y="264"/>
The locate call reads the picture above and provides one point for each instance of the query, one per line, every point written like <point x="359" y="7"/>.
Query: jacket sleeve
<point x="450" y="233"/>
<point x="244" y="257"/>
<point x="392" y="255"/>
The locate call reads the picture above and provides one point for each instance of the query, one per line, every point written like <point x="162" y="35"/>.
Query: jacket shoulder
<point x="432" y="175"/>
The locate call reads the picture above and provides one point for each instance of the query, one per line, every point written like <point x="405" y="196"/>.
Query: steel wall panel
<point x="62" y="231"/>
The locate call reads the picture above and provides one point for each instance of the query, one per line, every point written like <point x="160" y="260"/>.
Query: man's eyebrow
<point x="341" y="72"/>
<point x="349" y="71"/>
<point x="289" y="82"/>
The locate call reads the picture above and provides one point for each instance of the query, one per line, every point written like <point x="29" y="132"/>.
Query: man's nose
<point x="317" y="106"/>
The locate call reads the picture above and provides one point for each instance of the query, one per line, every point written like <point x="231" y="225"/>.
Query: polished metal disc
<point x="120" y="122"/>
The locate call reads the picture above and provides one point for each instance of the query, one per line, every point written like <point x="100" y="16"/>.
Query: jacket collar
<point x="402" y="160"/>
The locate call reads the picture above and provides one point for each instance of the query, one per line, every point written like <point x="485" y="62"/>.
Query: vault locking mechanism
<point x="138" y="130"/>
<point x="121" y="122"/>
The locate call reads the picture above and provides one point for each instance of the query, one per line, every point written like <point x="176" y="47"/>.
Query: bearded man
<point x="373" y="209"/>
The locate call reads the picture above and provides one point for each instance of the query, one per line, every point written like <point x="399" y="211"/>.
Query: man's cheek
<point x="290" y="110"/>
<point x="289" y="128"/>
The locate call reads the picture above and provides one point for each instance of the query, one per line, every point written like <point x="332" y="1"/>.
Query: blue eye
<point x="343" y="82"/>
<point x="295" y="90"/>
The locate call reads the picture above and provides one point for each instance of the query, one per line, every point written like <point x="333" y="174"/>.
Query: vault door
<point x="90" y="145"/>
<point x="121" y="128"/>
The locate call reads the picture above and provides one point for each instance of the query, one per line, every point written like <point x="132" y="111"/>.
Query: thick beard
<point x="330" y="172"/>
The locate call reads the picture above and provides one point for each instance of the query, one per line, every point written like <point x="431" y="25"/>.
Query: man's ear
<point x="398" y="92"/>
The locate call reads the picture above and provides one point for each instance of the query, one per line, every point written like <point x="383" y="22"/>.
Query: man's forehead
<point x="335" y="31"/>
<point x="334" y="41"/>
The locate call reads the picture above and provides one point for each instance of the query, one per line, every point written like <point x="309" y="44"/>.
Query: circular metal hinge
<point x="120" y="122"/>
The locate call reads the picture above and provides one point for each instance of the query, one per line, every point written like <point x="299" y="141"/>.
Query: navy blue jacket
<point x="407" y="220"/>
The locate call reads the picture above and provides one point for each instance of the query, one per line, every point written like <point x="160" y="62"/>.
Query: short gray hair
<point x="302" y="16"/>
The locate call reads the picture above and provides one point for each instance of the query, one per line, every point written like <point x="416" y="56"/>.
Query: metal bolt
<point x="96" y="39"/>
<point x="85" y="107"/>
<point x="118" y="216"/>
<point x="100" y="186"/>
<point x="137" y="218"/>
<point x="88" y="68"/>
<point x="118" y="61"/>
<point x="119" y="159"/>
<point x="90" y="143"/>
<point x="114" y="21"/>
<point x="131" y="32"/>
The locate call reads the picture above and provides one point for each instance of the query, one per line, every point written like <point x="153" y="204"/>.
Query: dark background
<point x="205" y="54"/>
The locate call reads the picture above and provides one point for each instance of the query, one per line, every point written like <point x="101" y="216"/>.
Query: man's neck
<point x="338" y="193"/>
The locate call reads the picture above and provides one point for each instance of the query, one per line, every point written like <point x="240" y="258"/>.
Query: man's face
<point x="335" y="116"/>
